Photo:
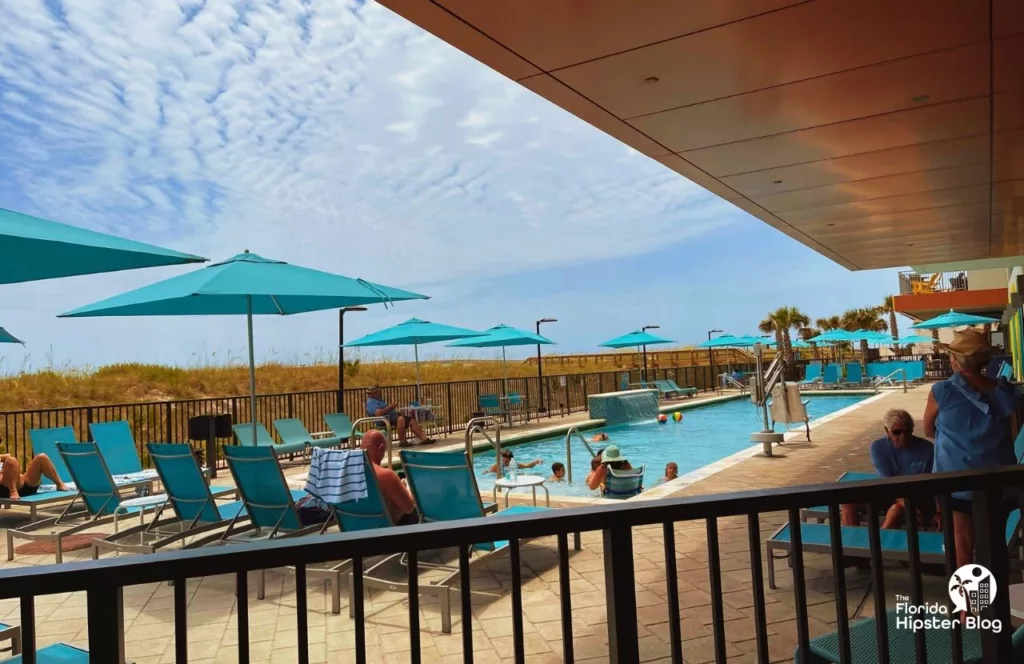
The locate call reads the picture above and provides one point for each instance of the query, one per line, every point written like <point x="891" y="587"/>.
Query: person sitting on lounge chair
<point x="377" y="407"/>
<point x="609" y="457"/>
<point x="898" y="453"/>
<point x="507" y="460"/>
<point x="397" y="497"/>
<point x="14" y="484"/>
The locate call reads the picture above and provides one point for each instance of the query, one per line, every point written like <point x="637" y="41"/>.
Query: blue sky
<point x="337" y="135"/>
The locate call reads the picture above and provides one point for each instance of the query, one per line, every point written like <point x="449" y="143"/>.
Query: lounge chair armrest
<point x="321" y="434"/>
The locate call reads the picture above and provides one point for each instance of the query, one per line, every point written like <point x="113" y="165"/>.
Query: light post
<point x="541" y="407"/>
<point x="711" y="356"/>
<point x="644" y="329"/>
<point x="341" y="355"/>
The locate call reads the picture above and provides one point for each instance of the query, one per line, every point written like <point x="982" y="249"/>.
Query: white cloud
<point x="323" y="132"/>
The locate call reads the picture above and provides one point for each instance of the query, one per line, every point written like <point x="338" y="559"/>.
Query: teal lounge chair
<point x="830" y="376"/>
<point x="813" y="374"/>
<point x="666" y="391"/>
<point x="243" y="434"/>
<point x="98" y="494"/>
<point x="902" y="645"/>
<point x="854" y="375"/>
<point x="371" y="513"/>
<point x="57" y="653"/>
<point x="490" y="404"/>
<point x="117" y="445"/>
<point x="445" y="489"/>
<point x="293" y="432"/>
<point x="340" y="425"/>
<point x="688" y="391"/>
<point x="821" y="513"/>
<point x="817" y="538"/>
<point x="269" y="507"/>
<point x="622" y="484"/>
<point x="1005" y="371"/>
<point x="189" y="499"/>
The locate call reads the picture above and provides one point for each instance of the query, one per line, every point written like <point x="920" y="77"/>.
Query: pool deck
<point x="840" y="444"/>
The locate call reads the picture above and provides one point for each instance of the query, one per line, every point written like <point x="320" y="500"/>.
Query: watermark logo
<point x="972" y="589"/>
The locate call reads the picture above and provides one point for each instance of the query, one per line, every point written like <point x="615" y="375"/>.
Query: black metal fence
<point x="455" y="402"/>
<point x="104" y="581"/>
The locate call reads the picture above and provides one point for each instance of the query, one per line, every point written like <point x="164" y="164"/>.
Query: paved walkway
<point x="840" y="444"/>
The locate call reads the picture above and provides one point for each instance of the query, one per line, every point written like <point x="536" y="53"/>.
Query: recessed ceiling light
<point x="830" y="224"/>
<point x="777" y="182"/>
<point x="651" y="79"/>
<point x="920" y="99"/>
<point x="910" y="244"/>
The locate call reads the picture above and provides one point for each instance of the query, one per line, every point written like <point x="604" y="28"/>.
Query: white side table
<point x="1016" y="591"/>
<point x="523" y="481"/>
<point x="143" y="503"/>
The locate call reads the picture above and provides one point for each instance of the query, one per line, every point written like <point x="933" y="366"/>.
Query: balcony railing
<point x="455" y="402"/>
<point x="912" y="283"/>
<point x="104" y="581"/>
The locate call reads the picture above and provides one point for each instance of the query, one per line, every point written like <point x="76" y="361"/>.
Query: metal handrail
<point x="474" y="426"/>
<point x="729" y="380"/>
<point x="387" y="427"/>
<point x="568" y="449"/>
<point x="888" y="379"/>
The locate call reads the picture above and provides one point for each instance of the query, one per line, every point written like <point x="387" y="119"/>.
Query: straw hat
<point x="611" y="454"/>
<point x="969" y="343"/>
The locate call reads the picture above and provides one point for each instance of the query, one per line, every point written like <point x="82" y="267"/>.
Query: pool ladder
<point x="476" y="425"/>
<point x="568" y="449"/>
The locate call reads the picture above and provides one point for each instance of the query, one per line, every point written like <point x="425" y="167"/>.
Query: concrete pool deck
<point x="840" y="444"/>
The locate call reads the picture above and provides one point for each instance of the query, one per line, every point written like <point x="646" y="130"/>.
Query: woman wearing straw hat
<point x="968" y="416"/>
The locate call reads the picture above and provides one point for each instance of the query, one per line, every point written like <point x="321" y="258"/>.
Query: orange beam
<point x="989" y="298"/>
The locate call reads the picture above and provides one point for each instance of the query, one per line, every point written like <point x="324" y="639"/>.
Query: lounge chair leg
<point x="771" y="568"/>
<point x="335" y="584"/>
<point x="261" y="585"/>
<point x="59" y="552"/>
<point x="351" y="599"/>
<point x="576" y="541"/>
<point x="10" y="546"/>
<point x="446" y="610"/>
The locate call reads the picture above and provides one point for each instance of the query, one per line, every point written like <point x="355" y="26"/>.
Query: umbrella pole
<point x="252" y="368"/>
<point x="416" y="353"/>
<point x="645" y="363"/>
<point x="504" y="372"/>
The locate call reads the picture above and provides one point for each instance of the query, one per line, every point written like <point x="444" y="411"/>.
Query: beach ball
<point x="663" y="418"/>
<point x="677" y="416"/>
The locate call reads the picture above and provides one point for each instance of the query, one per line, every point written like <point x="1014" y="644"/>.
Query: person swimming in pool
<point x="599" y="437"/>
<point x="507" y="460"/>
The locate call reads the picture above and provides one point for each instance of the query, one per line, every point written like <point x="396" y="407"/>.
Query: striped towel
<point x="336" y="476"/>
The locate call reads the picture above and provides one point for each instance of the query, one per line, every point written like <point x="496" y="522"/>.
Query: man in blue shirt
<point x="897" y="454"/>
<point x="377" y="407"/>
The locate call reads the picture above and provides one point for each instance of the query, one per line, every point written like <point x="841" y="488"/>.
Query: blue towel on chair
<point x="336" y="476"/>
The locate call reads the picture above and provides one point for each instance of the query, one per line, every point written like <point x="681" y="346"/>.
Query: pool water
<point x="705" y="435"/>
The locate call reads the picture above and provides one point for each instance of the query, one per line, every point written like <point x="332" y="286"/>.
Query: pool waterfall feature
<point x="624" y="407"/>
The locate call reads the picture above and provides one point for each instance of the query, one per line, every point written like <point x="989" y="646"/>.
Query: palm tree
<point x="807" y="333"/>
<point x="890" y="307"/>
<point x="780" y="322"/>
<point x="829" y="324"/>
<point x="864" y="318"/>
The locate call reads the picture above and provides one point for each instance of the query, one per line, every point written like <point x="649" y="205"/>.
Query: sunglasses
<point x="898" y="432"/>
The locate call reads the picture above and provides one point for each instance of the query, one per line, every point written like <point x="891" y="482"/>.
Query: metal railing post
<point x="620" y="595"/>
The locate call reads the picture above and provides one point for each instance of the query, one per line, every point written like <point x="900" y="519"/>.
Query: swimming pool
<point x="705" y="435"/>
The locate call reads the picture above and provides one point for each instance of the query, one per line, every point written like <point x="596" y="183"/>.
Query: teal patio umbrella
<point x="249" y="285"/>
<point x="724" y="341"/>
<point x="953" y="319"/>
<point x="32" y="249"/>
<point x="503" y="336"/>
<point x="413" y="332"/>
<point x="914" y="339"/>
<point x="8" y="338"/>
<point x="637" y="338"/>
